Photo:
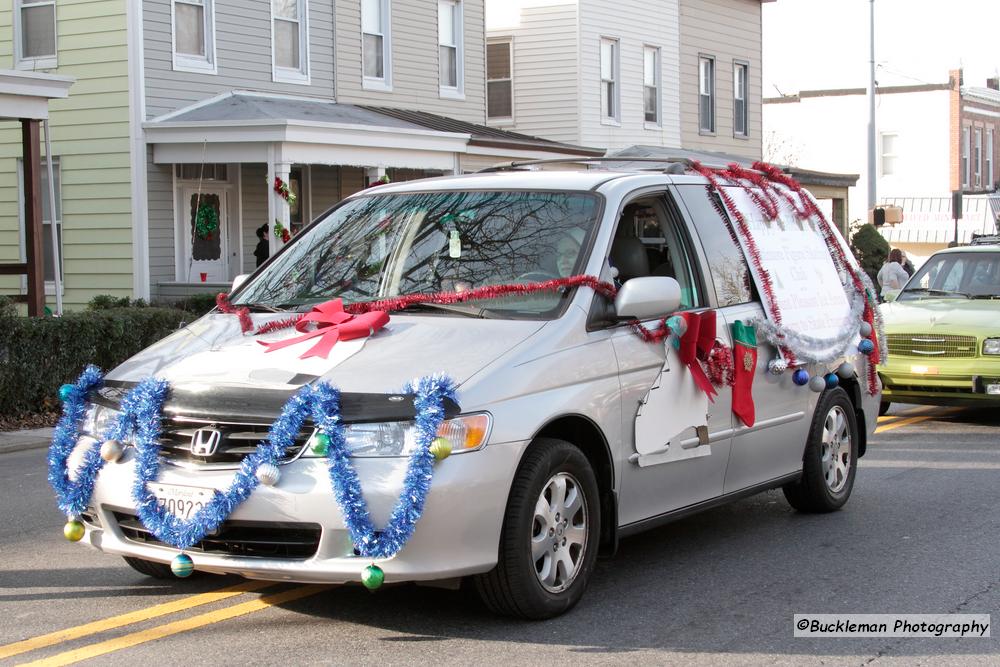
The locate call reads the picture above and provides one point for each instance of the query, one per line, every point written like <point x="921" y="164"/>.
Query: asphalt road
<point x="921" y="534"/>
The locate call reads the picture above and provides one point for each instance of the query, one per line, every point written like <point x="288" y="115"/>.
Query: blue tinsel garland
<point x="140" y="417"/>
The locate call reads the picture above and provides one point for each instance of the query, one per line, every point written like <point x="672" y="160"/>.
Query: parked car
<point x="943" y="332"/>
<point x="570" y="431"/>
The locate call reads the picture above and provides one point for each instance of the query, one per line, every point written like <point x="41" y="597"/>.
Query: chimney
<point x="993" y="83"/>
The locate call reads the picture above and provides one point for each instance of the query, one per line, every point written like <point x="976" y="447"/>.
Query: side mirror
<point x="238" y="280"/>
<point x="647" y="298"/>
<point x="890" y="295"/>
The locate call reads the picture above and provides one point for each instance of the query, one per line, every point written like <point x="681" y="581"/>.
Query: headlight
<point x="97" y="420"/>
<point x="991" y="346"/>
<point x="466" y="433"/>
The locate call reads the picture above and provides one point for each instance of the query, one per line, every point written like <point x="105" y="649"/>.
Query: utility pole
<point x="872" y="147"/>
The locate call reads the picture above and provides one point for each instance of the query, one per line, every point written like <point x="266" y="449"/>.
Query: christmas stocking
<point x="744" y="365"/>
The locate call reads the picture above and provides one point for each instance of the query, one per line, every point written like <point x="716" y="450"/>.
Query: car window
<point x="381" y="246"/>
<point x="726" y="263"/>
<point x="956" y="275"/>
<point x="648" y="242"/>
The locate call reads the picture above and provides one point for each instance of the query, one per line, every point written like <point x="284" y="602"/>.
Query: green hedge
<point x="871" y="249"/>
<point x="39" y="354"/>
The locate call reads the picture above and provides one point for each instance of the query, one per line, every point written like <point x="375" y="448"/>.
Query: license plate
<point x="181" y="501"/>
<point x="924" y="370"/>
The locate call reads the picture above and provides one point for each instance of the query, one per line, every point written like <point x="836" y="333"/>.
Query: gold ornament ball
<point x="74" y="530"/>
<point x="441" y="448"/>
<point x="112" y="450"/>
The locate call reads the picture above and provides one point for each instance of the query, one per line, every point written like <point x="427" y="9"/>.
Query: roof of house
<point x="983" y="94"/>
<point x="712" y="158"/>
<point x="243" y="106"/>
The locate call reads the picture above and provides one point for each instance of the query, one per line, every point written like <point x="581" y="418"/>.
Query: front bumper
<point x="935" y="381"/>
<point x="457" y="535"/>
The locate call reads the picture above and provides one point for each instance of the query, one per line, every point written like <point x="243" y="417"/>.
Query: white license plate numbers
<point x="181" y="501"/>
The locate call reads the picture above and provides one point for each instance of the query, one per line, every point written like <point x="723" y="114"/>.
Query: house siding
<point x="90" y="136"/>
<point x="160" y="203"/>
<point x="545" y="41"/>
<point x="242" y="51"/>
<point x="636" y="24"/>
<point x="414" y="56"/>
<point x="729" y="30"/>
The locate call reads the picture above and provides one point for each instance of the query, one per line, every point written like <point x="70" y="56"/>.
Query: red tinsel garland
<point x="720" y="365"/>
<point x="222" y="301"/>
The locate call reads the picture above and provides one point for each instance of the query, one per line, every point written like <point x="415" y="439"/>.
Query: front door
<point x="205" y="235"/>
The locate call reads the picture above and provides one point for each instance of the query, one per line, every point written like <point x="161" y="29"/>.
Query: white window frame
<point x="615" y="80"/>
<point x="989" y="158"/>
<point x="977" y="160"/>
<point x="287" y="74"/>
<point x="744" y="66"/>
<point x="966" y="165"/>
<point x="186" y="62"/>
<point x="22" y="62"/>
<point x="383" y="83"/>
<point x="657" y="85"/>
<point x="883" y="154"/>
<point x="501" y="120"/>
<point x="50" y="287"/>
<point x="456" y="92"/>
<point x="704" y="57"/>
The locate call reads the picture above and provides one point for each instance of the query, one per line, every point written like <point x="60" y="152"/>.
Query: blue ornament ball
<point x="65" y="392"/>
<point x="831" y="380"/>
<point x="182" y="565"/>
<point x="866" y="346"/>
<point x="800" y="377"/>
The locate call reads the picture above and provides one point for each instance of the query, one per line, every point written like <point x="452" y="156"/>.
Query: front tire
<point x="150" y="568"/>
<point x="548" y="545"/>
<point x="830" y="461"/>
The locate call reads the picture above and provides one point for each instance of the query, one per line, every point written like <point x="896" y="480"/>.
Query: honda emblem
<point x="205" y="441"/>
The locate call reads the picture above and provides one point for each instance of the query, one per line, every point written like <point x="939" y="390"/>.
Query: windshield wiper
<point x="468" y="311"/>
<point x="984" y="296"/>
<point x="943" y="292"/>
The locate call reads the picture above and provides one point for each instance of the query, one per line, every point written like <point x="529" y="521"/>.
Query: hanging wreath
<point x="206" y="221"/>
<point x="281" y="232"/>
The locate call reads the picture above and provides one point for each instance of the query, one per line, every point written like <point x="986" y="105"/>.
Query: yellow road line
<point x="904" y="422"/>
<point x="183" y="625"/>
<point x="128" y="618"/>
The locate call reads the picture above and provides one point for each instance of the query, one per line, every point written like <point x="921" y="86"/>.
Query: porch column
<point x="373" y="174"/>
<point x="33" y="217"/>
<point x="278" y="207"/>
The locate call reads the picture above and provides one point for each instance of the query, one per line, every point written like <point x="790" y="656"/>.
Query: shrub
<point x="871" y="250"/>
<point x="197" y="304"/>
<point x="38" y="354"/>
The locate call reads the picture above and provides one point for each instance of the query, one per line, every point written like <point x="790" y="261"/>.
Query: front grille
<point x="925" y="346"/>
<point x="235" y="441"/>
<point x="239" y="538"/>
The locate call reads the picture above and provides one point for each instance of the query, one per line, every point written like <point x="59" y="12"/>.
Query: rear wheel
<point x="150" y="568"/>
<point x="831" y="457"/>
<point x="548" y="545"/>
<point x="883" y="407"/>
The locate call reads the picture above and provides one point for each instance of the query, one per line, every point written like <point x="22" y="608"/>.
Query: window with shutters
<point x="500" y="80"/>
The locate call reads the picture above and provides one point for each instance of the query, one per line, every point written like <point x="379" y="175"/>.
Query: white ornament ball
<point x="817" y="383"/>
<point x="777" y="366"/>
<point x="845" y="371"/>
<point x="268" y="474"/>
<point x="112" y="450"/>
<point x="866" y="330"/>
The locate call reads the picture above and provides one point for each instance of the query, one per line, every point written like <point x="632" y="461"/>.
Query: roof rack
<point x="985" y="239"/>
<point x="677" y="165"/>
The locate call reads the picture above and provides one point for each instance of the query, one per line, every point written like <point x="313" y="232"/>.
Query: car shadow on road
<point x="710" y="583"/>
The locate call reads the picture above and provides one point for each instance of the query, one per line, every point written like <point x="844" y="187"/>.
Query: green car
<point x="943" y="332"/>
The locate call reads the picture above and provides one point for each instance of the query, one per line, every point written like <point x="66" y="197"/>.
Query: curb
<point x="22" y="446"/>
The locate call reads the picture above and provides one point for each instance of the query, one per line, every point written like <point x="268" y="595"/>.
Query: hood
<point x="967" y="317"/>
<point x="213" y="353"/>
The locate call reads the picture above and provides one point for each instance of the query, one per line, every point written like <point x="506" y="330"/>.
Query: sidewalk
<point x="32" y="438"/>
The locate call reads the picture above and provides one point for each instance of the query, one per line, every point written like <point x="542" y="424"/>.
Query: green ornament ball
<point x="74" y="530"/>
<point x="65" y="392"/>
<point x="372" y="577"/>
<point x="321" y="444"/>
<point x="182" y="566"/>
<point x="441" y="448"/>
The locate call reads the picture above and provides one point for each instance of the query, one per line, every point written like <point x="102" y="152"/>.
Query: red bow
<point x="696" y="343"/>
<point x="332" y="324"/>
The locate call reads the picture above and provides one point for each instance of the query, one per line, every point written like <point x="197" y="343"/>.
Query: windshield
<point x="390" y="245"/>
<point x="973" y="275"/>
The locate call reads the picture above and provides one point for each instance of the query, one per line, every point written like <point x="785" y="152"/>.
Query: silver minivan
<point x="570" y="427"/>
